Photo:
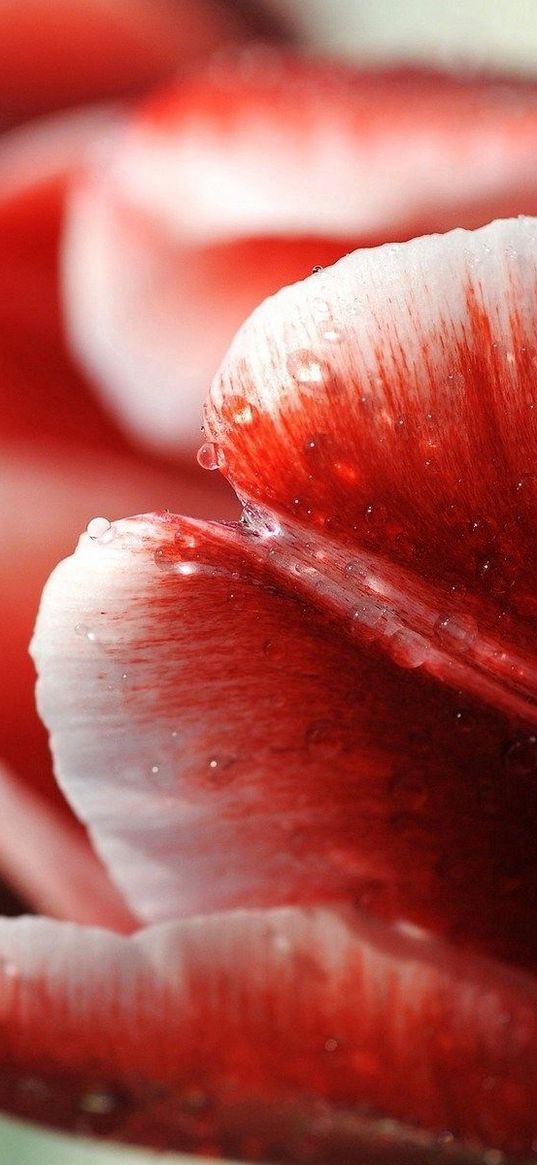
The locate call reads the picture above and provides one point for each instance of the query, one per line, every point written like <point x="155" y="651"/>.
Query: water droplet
<point x="456" y="631"/>
<point x="371" y="617"/>
<point x="520" y="756"/>
<point x="241" y="410"/>
<point x="306" y="367"/>
<point x="210" y="456"/>
<point x="408" y="648"/>
<point x="164" y="558"/>
<point x="354" y="570"/>
<point x="98" y="1102"/>
<point x="320" y="308"/>
<point x="154" y="768"/>
<point x="85" y="632"/>
<point x="98" y="528"/>
<point x="331" y="1044"/>
<point x="315" y="270"/>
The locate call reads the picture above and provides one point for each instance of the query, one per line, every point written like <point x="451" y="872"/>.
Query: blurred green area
<point x="22" y="1144"/>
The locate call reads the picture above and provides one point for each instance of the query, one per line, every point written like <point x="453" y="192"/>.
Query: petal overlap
<point x="228" y="745"/>
<point x="334" y="700"/>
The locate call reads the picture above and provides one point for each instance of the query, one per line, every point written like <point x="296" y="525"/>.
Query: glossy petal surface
<point x="223" y="190"/>
<point x="389" y="404"/>
<point x="269" y="1036"/>
<point x="228" y="744"/>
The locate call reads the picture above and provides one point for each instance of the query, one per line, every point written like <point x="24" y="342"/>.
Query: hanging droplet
<point x="98" y="528"/>
<point x="210" y="456"/>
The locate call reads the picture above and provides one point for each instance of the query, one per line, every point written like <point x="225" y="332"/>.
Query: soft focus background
<point x="54" y="56"/>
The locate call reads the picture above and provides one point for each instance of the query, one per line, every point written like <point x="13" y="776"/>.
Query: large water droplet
<point x="98" y="528"/>
<point x="210" y="456"/>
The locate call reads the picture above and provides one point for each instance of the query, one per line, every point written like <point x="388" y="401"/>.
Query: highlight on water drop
<point x="98" y="528"/>
<point x="210" y="456"/>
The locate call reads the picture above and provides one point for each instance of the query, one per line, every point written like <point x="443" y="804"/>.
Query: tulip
<point x="225" y="701"/>
<point x="304" y="744"/>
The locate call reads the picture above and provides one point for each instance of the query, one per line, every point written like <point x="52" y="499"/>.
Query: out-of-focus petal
<point x="42" y="394"/>
<point x="273" y="1036"/>
<point x="50" y="863"/>
<point x="246" y="175"/>
<point x="228" y="743"/>
<point x="55" y="53"/>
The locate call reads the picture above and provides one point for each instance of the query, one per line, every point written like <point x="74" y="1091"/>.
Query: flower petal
<point x="44" y="502"/>
<point x="56" y="54"/>
<point x="389" y="404"/>
<point x="49" y="861"/>
<point x="229" y="745"/>
<point x="278" y="1036"/>
<point x="42" y="395"/>
<point x="184" y="224"/>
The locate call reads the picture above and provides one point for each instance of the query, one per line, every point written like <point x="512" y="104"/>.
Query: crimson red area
<point x="284" y="1038"/>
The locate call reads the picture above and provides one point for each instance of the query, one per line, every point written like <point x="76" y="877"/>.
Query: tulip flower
<point x="225" y="701"/>
<point x="304" y="745"/>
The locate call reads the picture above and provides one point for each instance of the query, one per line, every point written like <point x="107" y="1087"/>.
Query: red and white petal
<point x="245" y="176"/>
<point x="228" y="743"/>
<point x="49" y="862"/>
<point x="44" y="502"/>
<point x="389" y="404"/>
<point x="56" y="54"/>
<point x="281" y="1035"/>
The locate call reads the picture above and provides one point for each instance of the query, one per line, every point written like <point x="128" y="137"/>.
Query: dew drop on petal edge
<point x="97" y="528"/>
<point x="210" y="456"/>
